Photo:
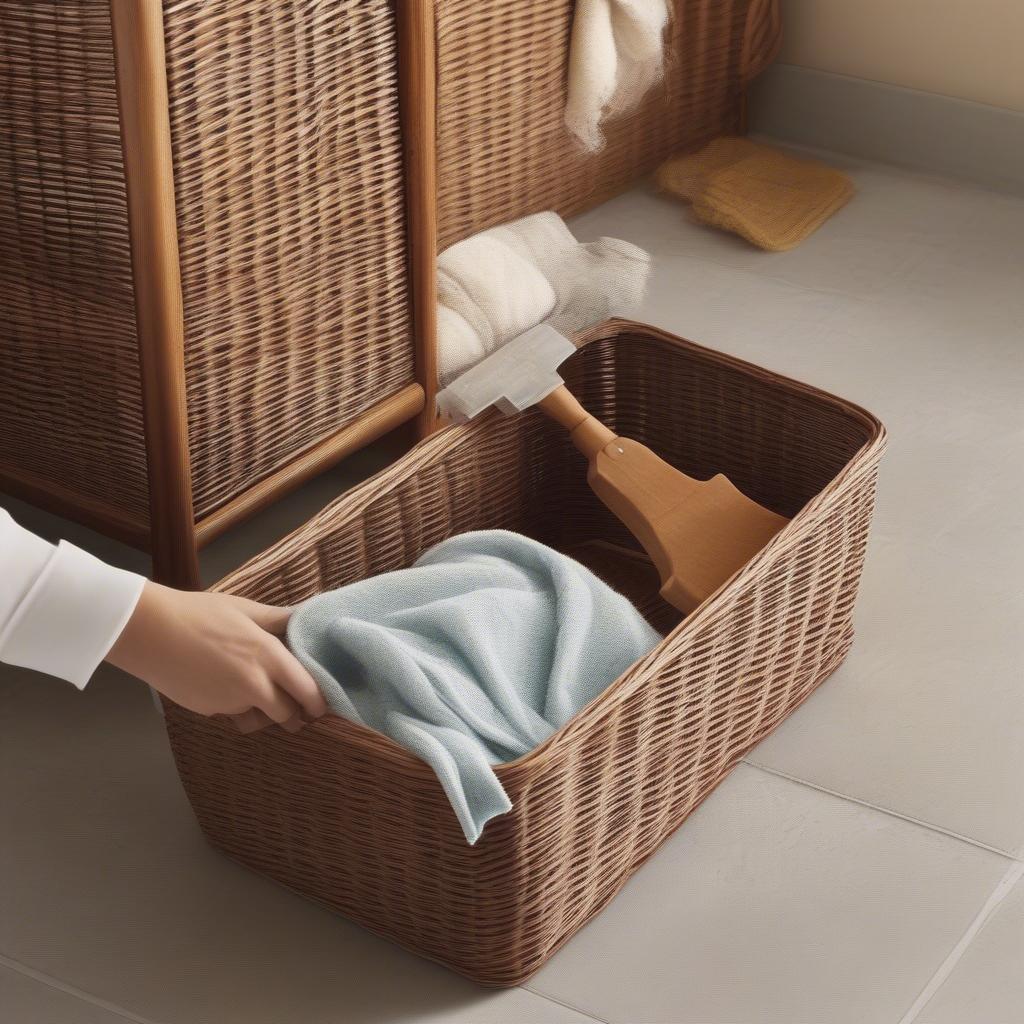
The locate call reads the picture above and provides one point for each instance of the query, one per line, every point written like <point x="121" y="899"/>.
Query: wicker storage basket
<point x="203" y="284"/>
<point x="343" y="815"/>
<point x="503" y="150"/>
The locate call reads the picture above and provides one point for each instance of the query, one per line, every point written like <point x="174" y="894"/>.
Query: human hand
<point x="218" y="654"/>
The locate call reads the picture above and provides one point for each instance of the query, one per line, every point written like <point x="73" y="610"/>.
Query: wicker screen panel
<point x="503" y="150"/>
<point x="70" y="397"/>
<point x="290" y="203"/>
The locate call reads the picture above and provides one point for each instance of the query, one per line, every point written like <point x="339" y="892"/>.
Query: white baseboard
<point x="919" y="130"/>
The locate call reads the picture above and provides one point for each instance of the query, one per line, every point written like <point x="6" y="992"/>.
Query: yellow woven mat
<point x="768" y="198"/>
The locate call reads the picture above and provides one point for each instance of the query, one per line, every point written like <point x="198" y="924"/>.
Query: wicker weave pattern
<point x="343" y="815"/>
<point x="289" y="192"/>
<point x="503" y="150"/>
<point x="70" y="404"/>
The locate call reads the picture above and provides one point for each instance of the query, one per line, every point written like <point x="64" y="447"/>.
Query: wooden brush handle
<point x="696" y="532"/>
<point x="590" y="435"/>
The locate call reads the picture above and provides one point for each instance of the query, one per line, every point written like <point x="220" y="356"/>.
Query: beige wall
<point x="972" y="49"/>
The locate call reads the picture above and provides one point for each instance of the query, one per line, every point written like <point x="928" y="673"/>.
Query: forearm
<point x="63" y="612"/>
<point x="61" y="609"/>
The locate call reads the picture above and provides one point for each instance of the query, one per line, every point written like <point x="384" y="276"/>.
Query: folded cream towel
<point x="497" y="284"/>
<point x="616" y="55"/>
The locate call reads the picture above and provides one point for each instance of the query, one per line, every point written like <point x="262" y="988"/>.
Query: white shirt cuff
<point x="72" y="614"/>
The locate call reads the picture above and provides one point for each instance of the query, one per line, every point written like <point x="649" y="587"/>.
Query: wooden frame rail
<point x="175" y="537"/>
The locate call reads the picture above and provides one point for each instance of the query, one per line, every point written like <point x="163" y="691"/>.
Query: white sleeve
<point x="61" y="609"/>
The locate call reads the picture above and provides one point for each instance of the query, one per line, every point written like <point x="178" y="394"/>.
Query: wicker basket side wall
<point x="624" y="775"/>
<point x="487" y="478"/>
<point x="291" y="221"/>
<point x="602" y="794"/>
<point x="503" y="150"/>
<point x="70" y="394"/>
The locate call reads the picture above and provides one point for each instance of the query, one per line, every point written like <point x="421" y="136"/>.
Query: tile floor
<point x="863" y="867"/>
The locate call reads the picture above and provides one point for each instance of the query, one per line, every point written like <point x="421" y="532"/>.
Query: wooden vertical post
<point x="418" y="101"/>
<point x="148" y="167"/>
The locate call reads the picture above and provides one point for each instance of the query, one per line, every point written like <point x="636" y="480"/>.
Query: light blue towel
<point x="472" y="657"/>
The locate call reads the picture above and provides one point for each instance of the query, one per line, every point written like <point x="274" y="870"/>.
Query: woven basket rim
<point x="718" y="605"/>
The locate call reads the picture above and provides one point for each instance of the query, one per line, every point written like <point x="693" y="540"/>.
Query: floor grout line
<point x="931" y="826"/>
<point x="70" y="990"/>
<point x="945" y="969"/>
<point x="561" y="1002"/>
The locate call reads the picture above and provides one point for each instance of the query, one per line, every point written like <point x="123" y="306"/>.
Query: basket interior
<point x="779" y="442"/>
